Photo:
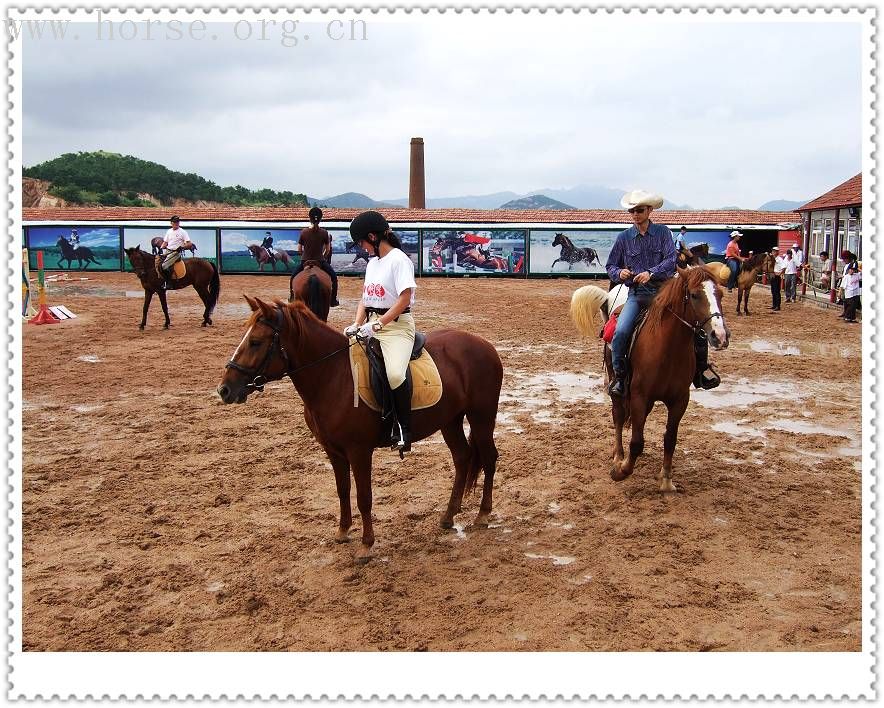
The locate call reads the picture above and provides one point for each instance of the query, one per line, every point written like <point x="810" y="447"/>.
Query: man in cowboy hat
<point x="733" y="258"/>
<point x="642" y="258"/>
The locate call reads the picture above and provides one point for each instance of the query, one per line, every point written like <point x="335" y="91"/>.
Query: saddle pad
<point x="425" y="380"/>
<point x="179" y="270"/>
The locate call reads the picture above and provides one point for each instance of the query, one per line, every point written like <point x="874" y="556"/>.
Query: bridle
<point x="259" y="380"/>
<point x="697" y="327"/>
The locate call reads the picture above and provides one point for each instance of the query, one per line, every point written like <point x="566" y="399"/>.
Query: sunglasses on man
<point x="637" y="210"/>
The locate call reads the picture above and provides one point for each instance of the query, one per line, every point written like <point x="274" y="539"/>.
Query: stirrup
<point x="707" y="379"/>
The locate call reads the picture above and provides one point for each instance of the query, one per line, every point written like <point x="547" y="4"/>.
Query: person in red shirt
<point x="733" y="258"/>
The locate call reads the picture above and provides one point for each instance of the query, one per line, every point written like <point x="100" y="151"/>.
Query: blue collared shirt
<point x="654" y="252"/>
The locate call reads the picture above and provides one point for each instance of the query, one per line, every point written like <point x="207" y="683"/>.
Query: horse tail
<point x="473" y="465"/>
<point x="586" y="303"/>
<point x="214" y="288"/>
<point x="314" y="295"/>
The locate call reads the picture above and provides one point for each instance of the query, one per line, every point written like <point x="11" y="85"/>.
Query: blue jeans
<point x="734" y="265"/>
<point x="640" y="296"/>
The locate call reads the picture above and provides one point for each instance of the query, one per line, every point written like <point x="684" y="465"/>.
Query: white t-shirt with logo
<point x="386" y="278"/>
<point x="175" y="238"/>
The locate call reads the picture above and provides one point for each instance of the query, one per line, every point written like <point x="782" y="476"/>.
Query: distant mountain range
<point x="579" y="197"/>
<point x="536" y="202"/>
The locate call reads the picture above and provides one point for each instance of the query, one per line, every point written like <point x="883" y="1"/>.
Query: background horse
<point x="748" y="275"/>
<point x="200" y="273"/>
<point x="313" y="287"/>
<point x="663" y="360"/>
<point x="361" y="253"/>
<point x="696" y="255"/>
<point x="156" y="245"/>
<point x="287" y="340"/>
<point x="260" y="254"/>
<point x="570" y="254"/>
<point x="80" y="254"/>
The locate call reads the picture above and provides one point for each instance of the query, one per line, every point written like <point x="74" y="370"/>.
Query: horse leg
<point x="746" y="300"/>
<point x="636" y="444"/>
<point x="460" y="453"/>
<point x="482" y="442"/>
<point x="342" y="481"/>
<point x="162" y="296"/>
<point x="675" y="413"/>
<point x="553" y="264"/>
<point x="203" y="292"/>
<point x="148" y="296"/>
<point x="360" y="462"/>
<point x="618" y="413"/>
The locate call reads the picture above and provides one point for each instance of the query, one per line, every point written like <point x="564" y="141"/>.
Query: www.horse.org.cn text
<point x="288" y="33"/>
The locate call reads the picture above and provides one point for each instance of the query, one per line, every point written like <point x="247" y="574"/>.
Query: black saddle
<point x="381" y="387"/>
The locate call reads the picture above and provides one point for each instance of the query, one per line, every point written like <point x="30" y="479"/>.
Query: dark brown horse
<point x="200" y="273"/>
<point x="263" y="257"/>
<point x="696" y="255"/>
<point x="288" y="340"/>
<point x="663" y="361"/>
<point x="313" y="287"/>
<point x="571" y="254"/>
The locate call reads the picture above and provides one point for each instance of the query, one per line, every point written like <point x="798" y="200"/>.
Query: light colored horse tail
<point x="586" y="304"/>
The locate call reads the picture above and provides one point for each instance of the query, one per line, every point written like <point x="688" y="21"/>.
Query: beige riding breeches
<point x="396" y="340"/>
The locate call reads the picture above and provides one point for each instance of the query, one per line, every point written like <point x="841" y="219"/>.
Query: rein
<point x="259" y="380"/>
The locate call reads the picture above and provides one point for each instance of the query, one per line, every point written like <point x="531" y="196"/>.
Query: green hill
<point x="117" y="180"/>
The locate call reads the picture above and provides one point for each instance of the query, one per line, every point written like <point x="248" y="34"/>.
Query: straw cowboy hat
<point x="735" y="234"/>
<point x="639" y="197"/>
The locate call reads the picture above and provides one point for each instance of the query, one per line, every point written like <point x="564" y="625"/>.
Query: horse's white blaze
<point x="242" y="341"/>
<point x="717" y="323"/>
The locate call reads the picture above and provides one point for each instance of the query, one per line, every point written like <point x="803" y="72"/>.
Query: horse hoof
<point x="667" y="485"/>
<point x="618" y="475"/>
<point x="481" y="520"/>
<point x="363" y="555"/>
<point x="341" y="536"/>
<point x="141" y="327"/>
<point x="447" y="523"/>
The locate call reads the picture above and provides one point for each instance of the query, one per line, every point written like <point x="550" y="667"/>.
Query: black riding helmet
<point x="368" y="222"/>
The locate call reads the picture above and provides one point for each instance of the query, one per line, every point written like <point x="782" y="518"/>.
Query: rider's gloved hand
<point x="368" y="330"/>
<point x="351" y="330"/>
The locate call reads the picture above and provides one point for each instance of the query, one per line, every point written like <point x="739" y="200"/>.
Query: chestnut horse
<point x="200" y="273"/>
<point x="663" y="361"/>
<point x="263" y="257"/>
<point x="289" y="340"/>
<point x="746" y="278"/>
<point x="312" y="286"/>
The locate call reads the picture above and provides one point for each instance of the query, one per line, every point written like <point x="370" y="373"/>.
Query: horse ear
<point x="252" y="302"/>
<point x="266" y="308"/>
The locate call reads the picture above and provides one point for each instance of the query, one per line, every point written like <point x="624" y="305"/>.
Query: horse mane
<point x="756" y="261"/>
<point x="672" y="294"/>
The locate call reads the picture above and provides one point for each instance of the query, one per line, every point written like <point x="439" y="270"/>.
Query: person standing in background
<point x="776" y="279"/>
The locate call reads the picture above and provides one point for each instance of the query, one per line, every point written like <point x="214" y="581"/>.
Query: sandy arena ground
<point x="156" y="518"/>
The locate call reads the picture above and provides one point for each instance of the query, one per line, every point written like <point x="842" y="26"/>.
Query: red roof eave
<point x="503" y="216"/>
<point x="846" y="194"/>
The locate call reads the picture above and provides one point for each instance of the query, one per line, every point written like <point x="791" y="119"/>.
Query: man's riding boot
<point x="334" y="294"/>
<point x="617" y="387"/>
<point x="704" y="376"/>
<point x="402" y="429"/>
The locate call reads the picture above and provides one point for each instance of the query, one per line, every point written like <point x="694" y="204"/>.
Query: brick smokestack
<point x="417" y="198"/>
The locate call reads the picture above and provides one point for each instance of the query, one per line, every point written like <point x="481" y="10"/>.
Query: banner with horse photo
<point x="259" y="250"/>
<point x="150" y="238"/>
<point x="74" y="247"/>
<point x="474" y="252"/>
<point x="349" y="259"/>
<point x="560" y="252"/>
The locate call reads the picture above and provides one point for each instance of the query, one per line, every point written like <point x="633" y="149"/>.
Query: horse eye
<point x="254" y="343"/>
<point x="696" y="296"/>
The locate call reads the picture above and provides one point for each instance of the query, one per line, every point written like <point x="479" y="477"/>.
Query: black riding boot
<point x="402" y="427"/>
<point x="617" y="386"/>
<point x="705" y="376"/>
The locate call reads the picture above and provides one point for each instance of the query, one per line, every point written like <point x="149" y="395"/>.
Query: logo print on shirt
<point x="375" y="290"/>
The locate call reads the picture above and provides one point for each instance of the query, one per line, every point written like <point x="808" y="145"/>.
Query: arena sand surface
<point x="157" y="518"/>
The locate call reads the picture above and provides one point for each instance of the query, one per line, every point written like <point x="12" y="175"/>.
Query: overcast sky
<point x="707" y="114"/>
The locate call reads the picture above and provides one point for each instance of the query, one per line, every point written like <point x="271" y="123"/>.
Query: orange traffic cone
<point x="44" y="316"/>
